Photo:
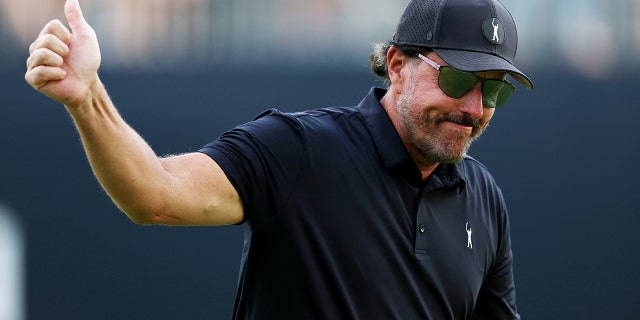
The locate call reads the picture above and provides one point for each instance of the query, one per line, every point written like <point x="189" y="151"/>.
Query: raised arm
<point x="189" y="189"/>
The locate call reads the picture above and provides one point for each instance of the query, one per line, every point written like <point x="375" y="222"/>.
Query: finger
<point x="41" y="75"/>
<point x="50" y="42"/>
<point x="44" y="57"/>
<point x="74" y="16"/>
<point x="57" y="29"/>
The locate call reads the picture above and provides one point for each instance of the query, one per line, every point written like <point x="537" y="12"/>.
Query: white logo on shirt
<point x="468" y="228"/>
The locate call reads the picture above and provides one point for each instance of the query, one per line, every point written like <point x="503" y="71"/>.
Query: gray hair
<point x="378" y="57"/>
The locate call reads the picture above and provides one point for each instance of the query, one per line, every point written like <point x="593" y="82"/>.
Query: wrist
<point x="89" y="102"/>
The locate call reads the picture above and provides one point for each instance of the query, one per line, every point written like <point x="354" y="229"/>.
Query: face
<point x="435" y="127"/>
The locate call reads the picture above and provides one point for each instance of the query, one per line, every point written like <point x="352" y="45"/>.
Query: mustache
<point x="460" y="119"/>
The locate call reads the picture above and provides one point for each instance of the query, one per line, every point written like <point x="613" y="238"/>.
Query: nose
<point x="471" y="103"/>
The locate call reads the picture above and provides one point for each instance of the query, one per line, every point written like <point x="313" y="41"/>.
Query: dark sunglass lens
<point x="456" y="83"/>
<point x="505" y="94"/>
<point x="496" y="93"/>
<point x="490" y="91"/>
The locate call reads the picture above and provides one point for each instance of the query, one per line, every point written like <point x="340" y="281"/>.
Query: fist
<point x="64" y="64"/>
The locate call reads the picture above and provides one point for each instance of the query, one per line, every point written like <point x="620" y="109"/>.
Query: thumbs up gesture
<point x="63" y="64"/>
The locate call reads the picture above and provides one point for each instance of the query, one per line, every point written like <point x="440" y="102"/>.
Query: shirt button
<point x="421" y="228"/>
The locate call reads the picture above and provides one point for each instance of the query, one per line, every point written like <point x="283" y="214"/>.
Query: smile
<point x="458" y="126"/>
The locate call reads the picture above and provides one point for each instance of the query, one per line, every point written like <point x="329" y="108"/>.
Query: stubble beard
<point x="432" y="142"/>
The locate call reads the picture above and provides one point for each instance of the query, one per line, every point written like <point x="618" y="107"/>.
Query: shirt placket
<point x="421" y="229"/>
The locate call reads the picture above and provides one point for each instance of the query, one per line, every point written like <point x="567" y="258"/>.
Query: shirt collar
<point x="390" y="147"/>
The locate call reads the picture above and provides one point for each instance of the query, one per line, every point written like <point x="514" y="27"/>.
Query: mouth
<point x="461" y="122"/>
<point x="458" y="127"/>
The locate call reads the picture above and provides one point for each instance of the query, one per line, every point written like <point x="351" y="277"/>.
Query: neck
<point x="425" y="166"/>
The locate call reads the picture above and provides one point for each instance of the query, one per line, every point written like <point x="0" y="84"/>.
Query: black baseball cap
<point x="470" y="35"/>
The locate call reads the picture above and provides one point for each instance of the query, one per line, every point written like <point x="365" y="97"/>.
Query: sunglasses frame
<point x="488" y="101"/>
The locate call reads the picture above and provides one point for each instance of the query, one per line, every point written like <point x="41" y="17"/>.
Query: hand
<point x="64" y="65"/>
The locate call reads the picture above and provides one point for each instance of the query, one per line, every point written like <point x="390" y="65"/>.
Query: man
<point x="370" y="212"/>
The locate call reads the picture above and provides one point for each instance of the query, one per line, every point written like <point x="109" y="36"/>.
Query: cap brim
<point x="472" y="61"/>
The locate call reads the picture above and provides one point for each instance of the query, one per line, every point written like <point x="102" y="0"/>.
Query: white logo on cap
<point x="496" y="26"/>
<point x="493" y="30"/>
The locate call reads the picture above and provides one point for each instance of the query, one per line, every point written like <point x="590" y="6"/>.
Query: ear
<point x="396" y="61"/>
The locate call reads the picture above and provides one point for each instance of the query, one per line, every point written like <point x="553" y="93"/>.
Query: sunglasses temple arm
<point x="429" y="61"/>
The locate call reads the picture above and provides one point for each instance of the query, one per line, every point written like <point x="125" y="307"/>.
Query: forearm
<point x="124" y="164"/>
<point x="190" y="189"/>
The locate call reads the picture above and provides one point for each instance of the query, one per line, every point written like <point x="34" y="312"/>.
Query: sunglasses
<point x="456" y="83"/>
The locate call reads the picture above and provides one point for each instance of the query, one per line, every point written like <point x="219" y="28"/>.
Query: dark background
<point x="565" y="155"/>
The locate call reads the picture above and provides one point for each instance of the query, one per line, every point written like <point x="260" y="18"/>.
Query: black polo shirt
<point x="339" y="224"/>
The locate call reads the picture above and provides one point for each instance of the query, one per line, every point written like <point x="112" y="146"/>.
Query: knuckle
<point x="37" y="44"/>
<point x="27" y="76"/>
<point x="55" y="23"/>
<point x="45" y="40"/>
<point x="56" y="29"/>
<point x="38" y="56"/>
<point x="44" y="56"/>
<point x="31" y="77"/>
<point x="30" y="63"/>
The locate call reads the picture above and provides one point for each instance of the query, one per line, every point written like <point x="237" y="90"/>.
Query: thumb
<point x="74" y="16"/>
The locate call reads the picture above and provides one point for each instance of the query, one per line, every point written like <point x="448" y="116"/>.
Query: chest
<point x="438" y="237"/>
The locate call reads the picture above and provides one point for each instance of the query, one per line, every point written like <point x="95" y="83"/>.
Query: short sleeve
<point x="261" y="158"/>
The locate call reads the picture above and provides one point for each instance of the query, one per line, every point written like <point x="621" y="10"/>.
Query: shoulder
<point x="303" y="119"/>
<point x="311" y="114"/>
<point x="316" y="125"/>
<point x="478" y="177"/>
<point x="474" y="166"/>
